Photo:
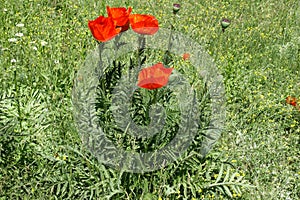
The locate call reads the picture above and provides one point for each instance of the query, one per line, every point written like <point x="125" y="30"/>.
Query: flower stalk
<point x="100" y="50"/>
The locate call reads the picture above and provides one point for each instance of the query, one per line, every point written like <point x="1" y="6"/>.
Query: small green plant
<point x="228" y="182"/>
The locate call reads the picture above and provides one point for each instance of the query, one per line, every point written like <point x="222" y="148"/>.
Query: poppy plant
<point x="154" y="77"/>
<point x="143" y="24"/>
<point x="103" y="28"/>
<point x="120" y="16"/>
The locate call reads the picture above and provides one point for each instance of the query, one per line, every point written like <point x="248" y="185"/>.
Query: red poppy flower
<point x="154" y="77"/>
<point x="143" y="24"/>
<point x="120" y="17"/>
<point x="186" y="56"/>
<point x="103" y="28"/>
<point x="291" y="100"/>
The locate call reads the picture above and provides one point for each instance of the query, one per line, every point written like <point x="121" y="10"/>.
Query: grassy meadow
<point x="43" y="43"/>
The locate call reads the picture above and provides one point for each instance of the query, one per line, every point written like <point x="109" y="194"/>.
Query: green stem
<point x="141" y="49"/>
<point x="100" y="48"/>
<point x="100" y="63"/>
<point x="167" y="53"/>
<point x="155" y="96"/>
<point x="151" y="102"/>
<point x="117" y="43"/>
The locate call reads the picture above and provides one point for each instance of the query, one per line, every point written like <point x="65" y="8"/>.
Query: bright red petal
<point x="154" y="77"/>
<point x="144" y="24"/>
<point x="120" y="16"/>
<point x="103" y="28"/>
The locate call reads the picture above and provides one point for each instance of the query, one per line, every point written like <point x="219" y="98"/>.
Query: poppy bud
<point x="225" y="23"/>
<point x="176" y="8"/>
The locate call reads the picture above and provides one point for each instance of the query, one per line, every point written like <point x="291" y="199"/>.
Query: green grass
<point x="41" y="155"/>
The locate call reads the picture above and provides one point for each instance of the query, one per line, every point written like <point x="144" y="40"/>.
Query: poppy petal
<point x="154" y="77"/>
<point x="143" y="24"/>
<point x="120" y="16"/>
<point x="103" y="28"/>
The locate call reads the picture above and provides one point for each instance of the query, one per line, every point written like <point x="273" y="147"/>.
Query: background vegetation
<point x="44" y="43"/>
